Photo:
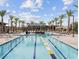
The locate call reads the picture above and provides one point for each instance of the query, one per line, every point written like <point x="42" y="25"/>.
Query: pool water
<point x="25" y="50"/>
<point x="31" y="47"/>
<point x="65" y="50"/>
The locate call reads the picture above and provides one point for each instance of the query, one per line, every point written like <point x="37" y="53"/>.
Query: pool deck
<point x="7" y="37"/>
<point x="68" y="39"/>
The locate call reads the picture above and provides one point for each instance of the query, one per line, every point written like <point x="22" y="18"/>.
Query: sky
<point x="37" y="10"/>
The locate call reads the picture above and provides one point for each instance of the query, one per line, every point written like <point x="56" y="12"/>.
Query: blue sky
<point x="37" y="10"/>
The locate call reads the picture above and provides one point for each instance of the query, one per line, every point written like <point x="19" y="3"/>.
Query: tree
<point x="61" y="19"/>
<point x="16" y="22"/>
<point x="73" y="25"/>
<point x="76" y="8"/>
<point x="55" y="19"/>
<point x="42" y="23"/>
<point x="20" y="21"/>
<point x="32" y="23"/>
<point x="69" y="14"/>
<point x="23" y="24"/>
<point x="76" y="4"/>
<point x="11" y="18"/>
<point x="2" y="14"/>
<point x="13" y="24"/>
<point x="76" y="26"/>
<point x="51" y="23"/>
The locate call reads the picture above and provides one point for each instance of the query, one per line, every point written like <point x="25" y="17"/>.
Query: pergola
<point x="39" y="28"/>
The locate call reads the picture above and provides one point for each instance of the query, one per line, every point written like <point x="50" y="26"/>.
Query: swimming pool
<point x="31" y="47"/>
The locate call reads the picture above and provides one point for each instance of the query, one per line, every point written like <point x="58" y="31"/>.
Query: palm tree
<point x="2" y="14"/>
<point x="32" y="23"/>
<point x="76" y="5"/>
<point x="73" y="25"/>
<point x="51" y="23"/>
<point x="76" y="8"/>
<point x="23" y="24"/>
<point x="61" y="19"/>
<point x="42" y="25"/>
<point x="20" y="23"/>
<point x="11" y="18"/>
<point x="13" y="24"/>
<point x="76" y="26"/>
<point x="16" y="22"/>
<point x="55" y="20"/>
<point x="69" y="14"/>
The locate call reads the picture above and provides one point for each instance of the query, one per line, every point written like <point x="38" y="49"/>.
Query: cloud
<point x="64" y="8"/>
<point x="39" y="3"/>
<point x="35" y="10"/>
<point x="7" y="5"/>
<point x="51" y="15"/>
<point x="32" y="4"/>
<point x="8" y="11"/>
<point x="27" y="4"/>
<point x="53" y="8"/>
<point x="13" y="11"/>
<point x="28" y="17"/>
<point x="45" y="15"/>
<point x="2" y="2"/>
<point x="67" y="2"/>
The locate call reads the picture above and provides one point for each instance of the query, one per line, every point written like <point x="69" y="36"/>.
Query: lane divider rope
<point x="50" y="51"/>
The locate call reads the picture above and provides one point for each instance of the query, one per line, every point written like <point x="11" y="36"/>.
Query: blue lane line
<point x="11" y="50"/>
<point x="58" y="49"/>
<point x="34" y="49"/>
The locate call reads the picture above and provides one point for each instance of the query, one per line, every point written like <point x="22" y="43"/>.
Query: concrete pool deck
<point x="7" y="37"/>
<point x="4" y="40"/>
<point x="68" y="39"/>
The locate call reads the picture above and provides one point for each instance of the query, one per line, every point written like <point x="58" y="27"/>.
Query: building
<point x="2" y="27"/>
<point x="36" y="27"/>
